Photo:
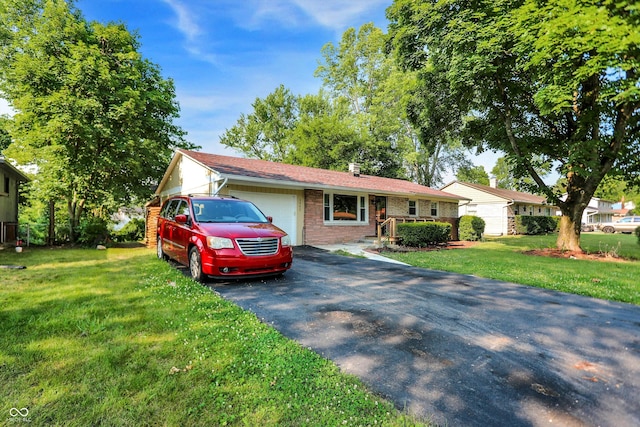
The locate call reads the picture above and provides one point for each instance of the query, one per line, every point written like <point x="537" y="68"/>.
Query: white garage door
<point x="282" y="207"/>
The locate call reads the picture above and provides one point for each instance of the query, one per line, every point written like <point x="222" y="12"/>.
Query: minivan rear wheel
<point x="195" y="265"/>
<point x="160" y="252"/>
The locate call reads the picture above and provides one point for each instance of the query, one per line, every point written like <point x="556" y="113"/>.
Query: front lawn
<point x="117" y="337"/>
<point x="503" y="259"/>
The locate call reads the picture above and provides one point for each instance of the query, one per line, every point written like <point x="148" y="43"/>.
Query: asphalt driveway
<point x="455" y="349"/>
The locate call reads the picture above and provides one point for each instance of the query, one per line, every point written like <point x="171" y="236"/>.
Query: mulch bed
<point x="447" y="246"/>
<point x="558" y="253"/>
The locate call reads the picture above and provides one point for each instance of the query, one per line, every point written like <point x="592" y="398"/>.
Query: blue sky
<point x="223" y="54"/>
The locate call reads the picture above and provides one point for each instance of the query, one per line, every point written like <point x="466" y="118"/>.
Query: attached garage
<point x="281" y="207"/>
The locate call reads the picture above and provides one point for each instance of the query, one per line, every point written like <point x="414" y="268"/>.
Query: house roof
<point x="4" y="164"/>
<point x="266" y="173"/>
<point x="511" y="195"/>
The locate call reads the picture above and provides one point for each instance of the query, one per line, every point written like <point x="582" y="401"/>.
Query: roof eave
<point x="265" y="182"/>
<point x="21" y="176"/>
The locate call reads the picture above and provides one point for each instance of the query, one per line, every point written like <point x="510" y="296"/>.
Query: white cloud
<point x="339" y="14"/>
<point x="186" y="20"/>
<point x="335" y="15"/>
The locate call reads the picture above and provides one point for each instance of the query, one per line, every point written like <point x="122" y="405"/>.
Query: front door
<point x="381" y="210"/>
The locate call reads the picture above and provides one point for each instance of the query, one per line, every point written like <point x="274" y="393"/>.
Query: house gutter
<point x="312" y="186"/>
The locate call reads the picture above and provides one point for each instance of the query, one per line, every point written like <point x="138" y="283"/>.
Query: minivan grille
<point x="259" y="246"/>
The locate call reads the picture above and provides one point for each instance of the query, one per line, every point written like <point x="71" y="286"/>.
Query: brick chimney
<point x="354" y="168"/>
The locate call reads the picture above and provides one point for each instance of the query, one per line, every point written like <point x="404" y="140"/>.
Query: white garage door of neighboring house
<point x="282" y="207"/>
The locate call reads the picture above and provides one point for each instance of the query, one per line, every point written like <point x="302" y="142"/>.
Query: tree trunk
<point x="569" y="234"/>
<point x="75" y="208"/>
<point x="51" y="238"/>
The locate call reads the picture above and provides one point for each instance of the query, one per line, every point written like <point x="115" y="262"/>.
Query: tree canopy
<point x="361" y="114"/>
<point x="553" y="82"/>
<point x="473" y="174"/>
<point x="503" y="171"/>
<point x="92" y="114"/>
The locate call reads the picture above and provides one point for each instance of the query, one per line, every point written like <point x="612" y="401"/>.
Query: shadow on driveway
<point x="456" y="349"/>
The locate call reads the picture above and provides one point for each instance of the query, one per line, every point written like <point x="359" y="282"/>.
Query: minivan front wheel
<point x="195" y="265"/>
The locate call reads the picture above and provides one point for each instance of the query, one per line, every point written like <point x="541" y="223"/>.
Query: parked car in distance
<point x="587" y="227"/>
<point x="628" y="224"/>
<point x="221" y="237"/>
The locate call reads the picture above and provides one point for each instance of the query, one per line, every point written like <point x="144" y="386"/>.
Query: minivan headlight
<point x="219" y="242"/>
<point x="285" y="240"/>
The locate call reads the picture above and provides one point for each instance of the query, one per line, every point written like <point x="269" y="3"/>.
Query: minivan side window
<point x="183" y="209"/>
<point x="169" y="210"/>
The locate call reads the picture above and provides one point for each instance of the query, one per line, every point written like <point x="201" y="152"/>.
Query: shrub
<point x="421" y="234"/>
<point x="638" y="234"/>
<point x="470" y="227"/>
<point x="133" y="231"/>
<point x="526" y="224"/>
<point x="93" y="231"/>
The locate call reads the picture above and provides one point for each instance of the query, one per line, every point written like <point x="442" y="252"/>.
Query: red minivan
<point x="221" y="237"/>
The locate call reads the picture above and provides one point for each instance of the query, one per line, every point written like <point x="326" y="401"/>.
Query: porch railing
<point x="388" y="229"/>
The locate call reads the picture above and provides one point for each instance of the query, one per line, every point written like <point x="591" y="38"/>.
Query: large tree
<point x="361" y="71"/>
<point x="503" y="171"/>
<point x="92" y="115"/>
<point x="557" y="80"/>
<point x="308" y="130"/>
<point x="473" y="174"/>
<point x="263" y="133"/>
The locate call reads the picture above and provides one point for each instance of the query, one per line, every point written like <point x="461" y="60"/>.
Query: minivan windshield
<point x="225" y="210"/>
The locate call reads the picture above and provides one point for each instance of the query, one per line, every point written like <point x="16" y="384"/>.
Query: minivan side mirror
<point x="182" y="219"/>
<point x="270" y="218"/>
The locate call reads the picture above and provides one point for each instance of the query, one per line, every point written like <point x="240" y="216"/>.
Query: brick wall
<point x="397" y="206"/>
<point x="317" y="233"/>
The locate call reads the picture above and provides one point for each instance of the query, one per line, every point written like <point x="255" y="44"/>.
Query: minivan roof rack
<point x="209" y="195"/>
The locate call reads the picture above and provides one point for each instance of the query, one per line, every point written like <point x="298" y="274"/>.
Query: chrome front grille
<point x="258" y="246"/>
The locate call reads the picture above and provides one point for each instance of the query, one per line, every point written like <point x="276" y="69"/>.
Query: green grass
<point x="117" y="337"/>
<point x="346" y="253"/>
<point x="503" y="259"/>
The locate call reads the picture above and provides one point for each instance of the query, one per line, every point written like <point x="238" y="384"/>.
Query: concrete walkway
<point x="359" y="249"/>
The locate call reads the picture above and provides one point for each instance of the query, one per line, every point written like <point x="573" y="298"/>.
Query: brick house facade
<point x="314" y="206"/>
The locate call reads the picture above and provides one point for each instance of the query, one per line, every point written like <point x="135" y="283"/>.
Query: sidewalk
<point x="359" y="249"/>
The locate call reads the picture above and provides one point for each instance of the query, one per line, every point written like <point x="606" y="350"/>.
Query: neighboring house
<point x="621" y="209"/>
<point x="598" y="211"/>
<point x="314" y="206"/>
<point x="497" y="206"/>
<point x="10" y="179"/>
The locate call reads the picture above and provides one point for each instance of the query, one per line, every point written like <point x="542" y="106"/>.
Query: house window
<point x="7" y="184"/>
<point x="530" y="210"/>
<point x="413" y="208"/>
<point x="327" y="207"/>
<point x="345" y="208"/>
<point x="434" y="208"/>
<point x="547" y="211"/>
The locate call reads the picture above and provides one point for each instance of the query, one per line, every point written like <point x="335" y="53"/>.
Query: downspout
<point x="463" y="204"/>
<point x="220" y="186"/>
<point x="214" y="187"/>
